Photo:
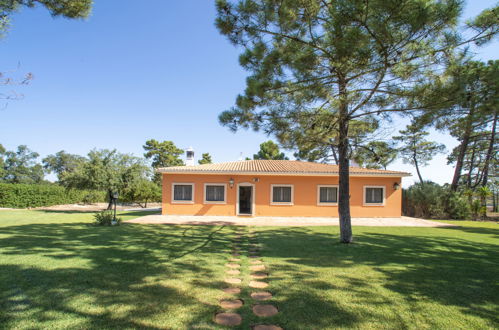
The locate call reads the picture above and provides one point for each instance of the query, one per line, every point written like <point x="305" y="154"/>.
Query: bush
<point x="105" y="218"/>
<point x="456" y="206"/>
<point x="430" y="200"/>
<point x="423" y="200"/>
<point x="93" y="196"/>
<point x="36" y="195"/>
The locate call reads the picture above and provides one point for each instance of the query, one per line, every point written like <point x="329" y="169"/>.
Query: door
<point x="245" y="200"/>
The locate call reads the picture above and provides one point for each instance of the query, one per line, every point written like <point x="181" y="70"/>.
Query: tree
<point x="269" y="150"/>
<point x="162" y="154"/>
<point x="205" y="159"/>
<point x="61" y="163"/>
<point x="415" y="150"/>
<point x="65" y="8"/>
<point x="142" y="191"/>
<point x="470" y="108"/>
<point x="375" y="154"/>
<point x="107" y="170"/>
<point x="21" y="166"/>
<point x="351" y="59"/>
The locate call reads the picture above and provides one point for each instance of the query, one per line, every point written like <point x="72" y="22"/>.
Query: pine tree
<point x="337" y="61"/>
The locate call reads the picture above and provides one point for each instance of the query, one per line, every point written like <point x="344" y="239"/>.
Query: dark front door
<point x="245" y="199"/>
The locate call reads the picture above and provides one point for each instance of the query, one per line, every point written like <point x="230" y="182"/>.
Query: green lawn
<point x="59" y="271"/>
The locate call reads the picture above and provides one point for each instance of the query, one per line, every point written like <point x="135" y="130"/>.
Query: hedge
<point x="36" y="195"/>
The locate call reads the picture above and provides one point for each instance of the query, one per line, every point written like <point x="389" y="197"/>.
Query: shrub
<point x="430" y="200"/>
<point x="105" y="218"/>
<point x="424" y="200"/>
<point x="457" y="206"/>
<point x="36" y="195"/>
<point x="93" y="196"/>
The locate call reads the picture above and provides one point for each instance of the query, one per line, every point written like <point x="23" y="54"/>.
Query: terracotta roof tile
<point x="278" y="167"/>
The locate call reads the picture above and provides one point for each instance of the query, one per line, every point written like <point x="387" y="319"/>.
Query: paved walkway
<point x="284" y="221"/>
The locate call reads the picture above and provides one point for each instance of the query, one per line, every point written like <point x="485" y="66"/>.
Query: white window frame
<point x="327" y="186"/>
<point x="374" y="204"/>
<point x="282" y="203"/>
<point x="182" y="184"/>
<point x="215" y="184"/>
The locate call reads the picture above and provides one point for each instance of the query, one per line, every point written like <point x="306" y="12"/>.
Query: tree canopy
<point x="269" y="150"/>
<point x="21" y="166"/>
<point x="107" y="170"/>
<point x="415" y="149"/>
<point x="61" y="163"/>
<point x="205" y="159"/>
<point x="162" y="154"/>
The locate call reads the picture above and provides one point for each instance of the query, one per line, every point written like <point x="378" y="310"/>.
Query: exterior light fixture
<point x="231" y="182"/>
<point x="396" y="186"/>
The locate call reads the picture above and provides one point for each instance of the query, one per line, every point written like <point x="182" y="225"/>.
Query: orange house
<point x="277" y="188"/>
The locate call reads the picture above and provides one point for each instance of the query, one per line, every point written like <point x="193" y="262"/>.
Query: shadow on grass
<point x="441" y="267"/>
<point x="142" y="276"/>
<point x="107" y="277"/>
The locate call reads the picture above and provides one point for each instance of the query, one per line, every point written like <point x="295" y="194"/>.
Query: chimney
<point x="189" y="156"/>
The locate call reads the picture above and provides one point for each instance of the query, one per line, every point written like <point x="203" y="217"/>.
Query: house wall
<point x="304" y="201"/>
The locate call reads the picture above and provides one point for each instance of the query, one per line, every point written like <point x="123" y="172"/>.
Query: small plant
<point x="106" y="218"/>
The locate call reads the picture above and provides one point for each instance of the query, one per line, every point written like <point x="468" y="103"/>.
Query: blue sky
<point x="132" y="72"/>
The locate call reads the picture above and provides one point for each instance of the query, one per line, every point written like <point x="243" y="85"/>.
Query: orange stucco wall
<point x="304" y="196"/>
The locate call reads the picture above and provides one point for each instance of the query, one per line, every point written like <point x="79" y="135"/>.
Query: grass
<point x="58" y="271"/>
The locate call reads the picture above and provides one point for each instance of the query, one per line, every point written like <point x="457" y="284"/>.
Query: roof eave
<point x="397" y="175"/>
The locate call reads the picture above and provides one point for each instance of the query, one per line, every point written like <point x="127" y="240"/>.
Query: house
<point x="277" y="188"/>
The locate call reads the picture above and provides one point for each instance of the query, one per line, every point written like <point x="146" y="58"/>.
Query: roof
<point x="276" y="167"/>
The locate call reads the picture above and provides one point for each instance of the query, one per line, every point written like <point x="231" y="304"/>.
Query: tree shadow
<point x="442" y="268"/>
<point x="136" y="276"/>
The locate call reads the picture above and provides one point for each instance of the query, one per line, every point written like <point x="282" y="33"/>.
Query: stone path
<point x="260" y="305"/>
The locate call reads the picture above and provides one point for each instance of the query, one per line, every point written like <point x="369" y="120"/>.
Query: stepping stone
<point x="232" y="265"/>
<point x="228" y="319"/>
<point x="235" y="259"/>
<point x="266" y="327"/>
<point x="261" y="295"/>
<point x="265" y="310"/>
<point x="233" y="280"/>
<point x="254" y="262"/>
<point x="259" y="276"/>
<point x="231" y="304"/>
<point x="232" y="290"/>
<point x="258" y="284"/>
<point x="233" y="272"/>
<point x="257" y="268"/>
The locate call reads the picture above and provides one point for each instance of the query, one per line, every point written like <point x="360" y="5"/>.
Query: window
<point x="374" y="195"/>
<point x="183" y="193"/>
<point x="327" y="195"/>
<point x="282" y="194"/>
<point x="214" y="193"/>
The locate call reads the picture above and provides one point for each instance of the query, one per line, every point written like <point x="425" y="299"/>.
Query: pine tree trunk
<point x="462" y="151"/>
<point x="417" y="167"/>
<point x="490" y="151"/>
<point x="344" y="175"/>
